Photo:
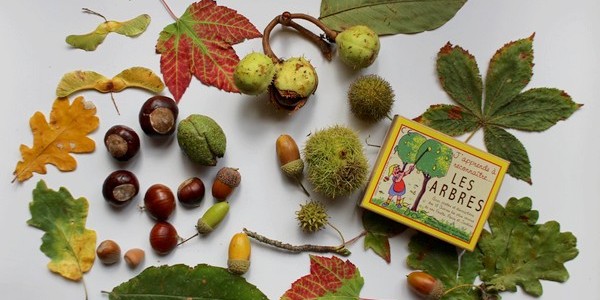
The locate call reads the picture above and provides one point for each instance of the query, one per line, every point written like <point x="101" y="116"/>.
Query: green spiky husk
<point x="335" y="160"/>
<point x="371" y="98"/>
<point x="312" y="216"/>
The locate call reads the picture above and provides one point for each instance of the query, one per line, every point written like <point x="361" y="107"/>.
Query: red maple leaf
<point x="200" y="43"/>
<point x="328" y="277"/>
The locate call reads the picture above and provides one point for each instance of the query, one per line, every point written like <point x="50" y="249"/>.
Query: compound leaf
<point x="53" y="141"/>
<point x="329" y="278"/>
<point x="379" y="230"/>
<point x="66" y="241"/>
<point x="520" y="252"/>
<point x="138" y="77"/>
<point x="184" y="282"/>
<point x="200" y="43"/>
<point x="92" y="40"/>
<point x="388" y="16"/>
<point x="444" y="262"/>
<point x="505" y="104"/>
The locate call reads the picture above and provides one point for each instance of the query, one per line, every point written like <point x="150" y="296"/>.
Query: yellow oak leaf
<point x="53" y="141"/>
<point x="138" y="77"/>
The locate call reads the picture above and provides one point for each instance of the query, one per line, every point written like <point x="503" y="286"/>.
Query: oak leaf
<point x="53" y="141"/>
<point x="499" y="104"/>
<point x="200" y="43"/>
<point x="69" y="245"/>
<point x="138" y="77"/>
<point x="183" y="282"/>
<point x="90" y="41"/>
<point x="329" y="278"/>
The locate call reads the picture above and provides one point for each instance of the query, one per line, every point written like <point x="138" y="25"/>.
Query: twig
<point x="341" y="249"/>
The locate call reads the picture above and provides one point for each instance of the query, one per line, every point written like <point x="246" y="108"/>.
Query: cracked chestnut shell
<point x="122" y="142"/>
<point x="120" y="187"/>
<point x="158" y="116"/>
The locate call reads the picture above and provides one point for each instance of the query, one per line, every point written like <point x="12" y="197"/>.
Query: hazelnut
<point x="122" y="142"/>
<point x="133" y="257"/>
<point x="158" y="116"/>
<point x="108" y="252"/>
<point x="120" y="187"/>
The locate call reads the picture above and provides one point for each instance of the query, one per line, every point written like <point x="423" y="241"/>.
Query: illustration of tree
<point x="408" y="147"/>
<point x="433" y="160"/>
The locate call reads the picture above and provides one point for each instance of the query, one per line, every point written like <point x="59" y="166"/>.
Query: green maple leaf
<point x="518" y="251"/>
<point x="69" y="245"/>
<point x="505" y="105"/>
<point x="378" y="232"/>
<point x="184" y="282"/>
<point x="441" y="260"/>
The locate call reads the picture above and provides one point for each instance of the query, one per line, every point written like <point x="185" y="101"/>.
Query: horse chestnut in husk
<point x="159" y="201"/>
<point x="158" y="116"/>
<point x="358" y="46"/>
<point x="163" y="238"/>
<point x="120" y="187"/>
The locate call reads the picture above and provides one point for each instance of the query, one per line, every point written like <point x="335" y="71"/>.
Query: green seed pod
<point x="254" y="73"/>
<point x="371" y="98"/>
<point x="358" y="46"/>
<point x="296" y="77"/>
<point x="335" y="161"/>
<point x="212" y="217"/>
<point x="202" y="139"/>
<point x="312" y="216"/>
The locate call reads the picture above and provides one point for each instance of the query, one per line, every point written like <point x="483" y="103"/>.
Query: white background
<point x="34" y="57"/>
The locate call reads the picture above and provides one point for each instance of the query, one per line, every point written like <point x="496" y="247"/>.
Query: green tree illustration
<point x="433" y="160"/>
<point x="408" y="147"/>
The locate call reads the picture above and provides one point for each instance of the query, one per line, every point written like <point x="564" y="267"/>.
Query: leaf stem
<point x="354" y="239"/>
<point x="339" y="233"/>
<point x="471" y="135"/>
<point x="85" y="291"/>
<point x="91" y="12"/>
<point x="169" y="10"/>
<point x="463" y="286"/>
<point x="341" y="249"/>
<point x="302" y="186"/>
<point x="369" y="144"/>
<point x="187" y="239"/>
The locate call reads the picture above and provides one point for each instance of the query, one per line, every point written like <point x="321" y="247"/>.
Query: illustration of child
<point x="398" y="188"/>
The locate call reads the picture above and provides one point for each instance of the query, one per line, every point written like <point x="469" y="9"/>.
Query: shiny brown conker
<point x="191" y="192"/>
<point x="120" y="187"/>
<point x="159" y="201"/>
<point x="163" y="238"/>
<point x="158" y="116"/>
<point x="122" y="142"/>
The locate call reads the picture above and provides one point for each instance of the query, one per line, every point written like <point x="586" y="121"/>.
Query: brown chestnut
<point x="158" y="116"/>
<point x="122" y="142"/>
<point x="163" y="238"/>
<point x="120" y="187"/>
<point x="191" y="192"/>
<point x="159" y="201"/>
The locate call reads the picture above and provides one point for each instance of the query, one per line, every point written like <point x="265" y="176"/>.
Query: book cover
<point x="434" y="183"/>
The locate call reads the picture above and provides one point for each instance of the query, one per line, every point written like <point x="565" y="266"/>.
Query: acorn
<point x="226" y="181"/>
<point x="358" y="46"/>
<point x="371" y="98"/>
<point x="212" y="217"/>
<point x="254" y="73"/>
<point x="425" y="285"/>
<point x="289" y="156"/>
<point x="238" y="260"/>
<point x="295" y="80"/>
<point x="335" y="161"/>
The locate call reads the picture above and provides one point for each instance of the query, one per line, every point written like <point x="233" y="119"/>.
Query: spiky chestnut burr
<point x="371" y="98"/>
<point x="312" y="216"/>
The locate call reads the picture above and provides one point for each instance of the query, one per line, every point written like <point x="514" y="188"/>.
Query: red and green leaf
<point x="504" y="105"/>
<point x="200" y="43"/>
<point x="329" y="278"/>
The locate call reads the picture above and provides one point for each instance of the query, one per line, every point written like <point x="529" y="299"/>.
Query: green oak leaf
<point x="520" y="252"/>
<point x="505" y="106"/>
<point x="389" y="16"/>
<point x="91" y="41"/>
<point x="66" y="241"/>
<point x="184" y="282"/>
<point x="441" y="260"/>
<point x="378" y="232"/>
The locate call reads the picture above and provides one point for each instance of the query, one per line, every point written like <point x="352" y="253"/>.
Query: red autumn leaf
<point x="329" y="277"/>
<point x="200" y="43"/>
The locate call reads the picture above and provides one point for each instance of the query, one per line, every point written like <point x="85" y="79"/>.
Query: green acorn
<point x="371" y="98"/>
<point x="254" y="73"/>
<point x="312" y="216"/>
<point x="336" y="163"/>
<point x="358" y="46"/>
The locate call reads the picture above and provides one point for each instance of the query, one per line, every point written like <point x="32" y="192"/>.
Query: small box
<point x="434" y="183"/>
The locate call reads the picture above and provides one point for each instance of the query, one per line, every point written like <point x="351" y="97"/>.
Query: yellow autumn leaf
<point x="138" y="77"/>
<point x="53" y="141"/>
